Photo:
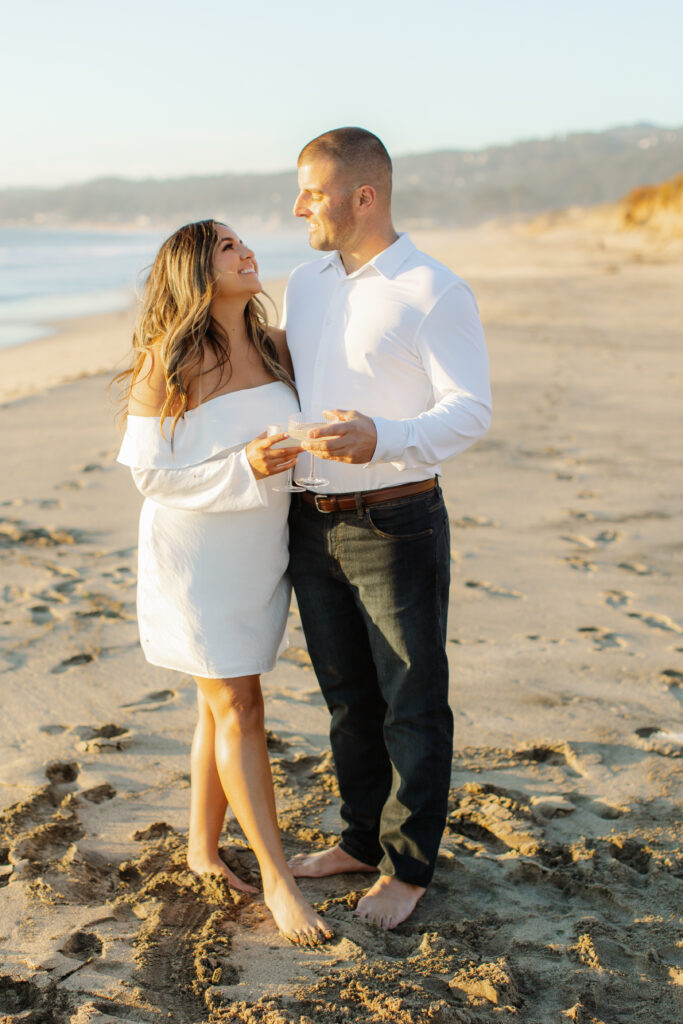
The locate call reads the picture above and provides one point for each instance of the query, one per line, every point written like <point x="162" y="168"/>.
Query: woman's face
<point x="234" y="265"/>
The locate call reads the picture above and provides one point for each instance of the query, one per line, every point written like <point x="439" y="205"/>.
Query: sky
<point x="143" y="88"/>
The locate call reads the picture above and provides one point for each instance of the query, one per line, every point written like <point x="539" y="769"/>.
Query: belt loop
<point x="359" y="504"/>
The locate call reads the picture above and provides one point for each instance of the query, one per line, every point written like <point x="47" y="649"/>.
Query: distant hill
<point x="442" y="189"/>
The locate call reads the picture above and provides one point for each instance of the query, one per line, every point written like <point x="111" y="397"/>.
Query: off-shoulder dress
<point x="213" y="594"/>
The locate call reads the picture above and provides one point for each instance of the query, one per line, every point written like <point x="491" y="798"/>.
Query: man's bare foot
<point x="297" y="921"/>
<point x="333" y="861"/>
<point x="208" y="865"/>
<point x="388" y="902"/>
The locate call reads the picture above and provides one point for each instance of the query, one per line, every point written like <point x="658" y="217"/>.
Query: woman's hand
<point x="265" y="460"/>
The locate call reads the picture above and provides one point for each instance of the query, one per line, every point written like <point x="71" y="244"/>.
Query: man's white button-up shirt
<point x="400" y="340"/>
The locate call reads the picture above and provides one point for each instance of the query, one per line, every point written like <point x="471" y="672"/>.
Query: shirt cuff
<point x="391" y="439"/>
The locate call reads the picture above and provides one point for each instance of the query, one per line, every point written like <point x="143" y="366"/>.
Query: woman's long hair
<point x="176" y="313"/>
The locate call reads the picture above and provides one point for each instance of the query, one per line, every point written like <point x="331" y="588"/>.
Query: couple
<point x="387" y="345"/>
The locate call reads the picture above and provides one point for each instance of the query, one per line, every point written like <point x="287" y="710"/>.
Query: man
<point x="387" y="344"/>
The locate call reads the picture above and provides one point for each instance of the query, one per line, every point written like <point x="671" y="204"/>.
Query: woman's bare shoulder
<point x="148" y="391"/>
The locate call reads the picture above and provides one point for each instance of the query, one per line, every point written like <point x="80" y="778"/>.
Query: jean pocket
<point x="408" y="521"/>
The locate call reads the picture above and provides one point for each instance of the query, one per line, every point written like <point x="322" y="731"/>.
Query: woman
<point x="208" y="376"/>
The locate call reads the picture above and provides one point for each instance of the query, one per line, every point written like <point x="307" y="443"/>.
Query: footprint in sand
<point x="660" y="741"/>
<point x="579" y="514"/>
<point x="152" y="701"/>
<point x="557" y="754"/>
<point x="45" y="844"/>
<point x="70" y="485"/>
<point x="62" y="772"/>
<point x="655" y="621"/>
<point x="672" y="677"/>
<point x="636" y="567"/>
<point x="618" y="598"/>
<point x="82" y="945"/>
<point x="600" y="808"/>
<point x="98" y="794"/>
<point x="494" y="590"/>
<point x="41" y="614"/>
<point x="275" y="742"/>
<point x="92" y="739"/>
<point x="468" y="521"/>
<point x="580" y="564"/>
<point x="103" y="607"/>
<point x="578" y="540"/>
<point x="608" y="537"/>
<point x="501" y="819"/>
<point x="15" y="531"/>
<point x="602" y="638"/>
<point x="74" y="661"/>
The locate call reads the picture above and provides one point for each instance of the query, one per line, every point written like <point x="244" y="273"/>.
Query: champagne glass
<point x="289" y="485"/>
<point x="298" y="427"/>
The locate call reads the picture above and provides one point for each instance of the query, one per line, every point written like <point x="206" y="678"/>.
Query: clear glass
<point x="288" y="485"/>
<point x="298" y="427"/>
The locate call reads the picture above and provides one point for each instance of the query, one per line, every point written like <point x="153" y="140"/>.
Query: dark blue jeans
<point x="372" y="588"/>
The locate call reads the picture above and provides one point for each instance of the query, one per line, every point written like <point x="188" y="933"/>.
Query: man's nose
<point x="299" y="209"/>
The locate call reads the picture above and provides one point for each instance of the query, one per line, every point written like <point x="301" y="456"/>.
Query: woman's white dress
<point x="212" y="591"/>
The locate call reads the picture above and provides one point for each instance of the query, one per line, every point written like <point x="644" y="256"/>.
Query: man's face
<point x="325" y="200"/>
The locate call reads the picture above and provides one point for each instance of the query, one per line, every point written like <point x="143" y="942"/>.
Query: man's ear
<point x="365" y="197"/>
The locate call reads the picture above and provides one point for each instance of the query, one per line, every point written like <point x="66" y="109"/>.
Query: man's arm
<point x="451" y="345"/>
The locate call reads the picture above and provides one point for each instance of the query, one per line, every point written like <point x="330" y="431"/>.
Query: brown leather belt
<point x="360" y="499"/>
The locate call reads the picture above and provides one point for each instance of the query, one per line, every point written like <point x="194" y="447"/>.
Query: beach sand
<point x="558" y="890"/>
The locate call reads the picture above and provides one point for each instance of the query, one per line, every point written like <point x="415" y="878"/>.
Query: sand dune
<point x="558" y="890"/>
<point x="652" y="215"/>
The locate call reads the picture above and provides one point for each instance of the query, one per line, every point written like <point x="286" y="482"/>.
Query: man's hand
<point x="352" y="437"/>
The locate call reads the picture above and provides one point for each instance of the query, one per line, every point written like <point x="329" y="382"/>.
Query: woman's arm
<point x="148" y="390"/>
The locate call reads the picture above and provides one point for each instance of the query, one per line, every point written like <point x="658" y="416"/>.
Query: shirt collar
<point x="385" y="262"/>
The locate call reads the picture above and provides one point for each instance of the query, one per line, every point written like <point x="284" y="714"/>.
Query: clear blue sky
<point x="150" y="88"/>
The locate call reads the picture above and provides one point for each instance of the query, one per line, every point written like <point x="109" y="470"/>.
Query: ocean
<point x="47" y="275"/>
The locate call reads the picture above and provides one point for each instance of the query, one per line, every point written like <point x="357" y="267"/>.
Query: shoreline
<point x="81" y="346"/>
<point x="33" y="367"/>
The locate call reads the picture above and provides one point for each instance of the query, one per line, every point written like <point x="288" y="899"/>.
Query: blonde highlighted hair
<point x="176" y="316"/>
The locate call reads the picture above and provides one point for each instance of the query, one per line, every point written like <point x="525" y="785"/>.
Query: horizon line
<point x="399" y="156"/>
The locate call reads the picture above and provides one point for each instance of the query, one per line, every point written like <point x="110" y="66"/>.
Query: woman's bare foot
<point x="297" y="921"/>
<point x="208" y="865"/>
<point x="389" y="902"/>
<point x="333" y="861"/>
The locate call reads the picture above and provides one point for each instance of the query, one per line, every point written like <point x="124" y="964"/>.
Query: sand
<point x="558" y="889"/>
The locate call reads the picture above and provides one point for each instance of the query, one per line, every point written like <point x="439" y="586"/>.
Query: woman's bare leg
<point x="207" y="803"/>
<point x="244" y="771"/>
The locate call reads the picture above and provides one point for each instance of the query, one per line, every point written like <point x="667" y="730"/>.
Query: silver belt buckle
<point x="325" y="511"/>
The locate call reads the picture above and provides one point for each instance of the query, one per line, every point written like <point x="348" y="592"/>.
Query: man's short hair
<point x="355" y="151"/>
